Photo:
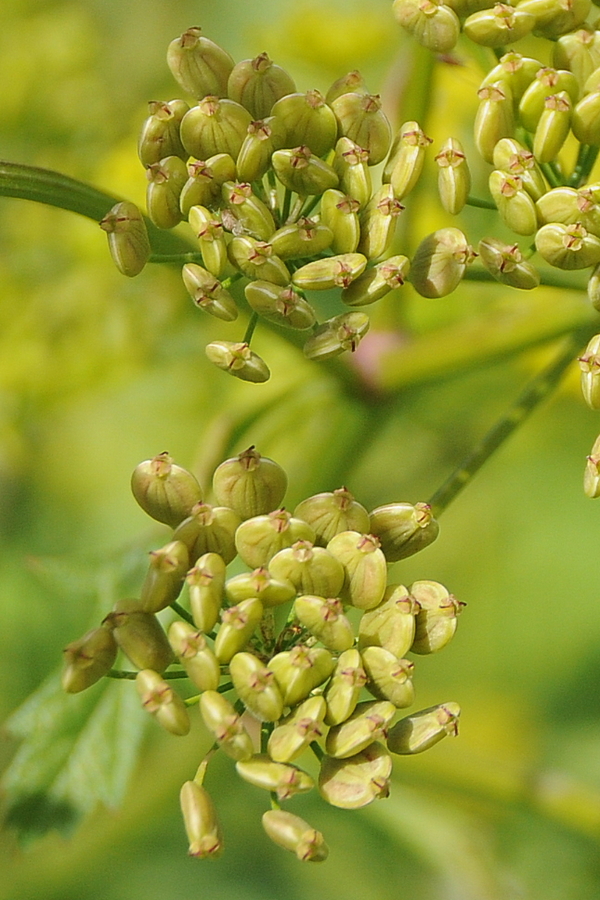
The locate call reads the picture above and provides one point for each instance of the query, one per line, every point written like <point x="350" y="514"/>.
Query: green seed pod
<point x="364" y="565"/>
<point x="206" y="583"/>
<point x="392" y="624"/>
<point x="593" y="288"/>
<point x="376" y="282"/>
<point x="424" y="729"/>
<point x="302" y="238"/>
<point x="343" y="691"/>
<point x="308" y="120"/>
<point x="312" y="570"/>
<point x="568" y="246"/>
<point x="290" y="739"/>
<point x="88" y="659"/>
<point x="553" y="127"/>
<point x="238" y="360"/>
<point x="164" y="578"/>
<point x="361" y="119"/>
<point x="214" y="126"/>
<point x="140" y="636"/>
<point x="498" y="26"/>
<point x="256" y="687"/>
<point x="337" y="335"/>
<point x="389" y="678"/>
<point x="505" y="262"/>
<point x="165" y="183"/>
<point x="355" y="782"/>
<point x="340" y="213"/>
<point x="208" y="293"/>
<point x="403" y="528"/>
<point x="203" y="187"/>
<point x="440" y="262"/>
<point x="165" y="704"/>
<point x="165" y="491"/>
<point x="250" y="484"/>
<point x="589" y="364"/>
<point x="253" y="215"/>
<point x="436" y="619"/>
<point x="352" y="82"/>
<point x="378" y="222"/>
<point x="209" y="529"/>
<point x="128" y="240"/>
<point x="302" y="171"/>
<point x="432" y="23"/>
<point x="586" y="119"/>
<point x="547" y="81"/>
<point x="592" y="83"/>
<point x="200" y="820"/>
<point x="282" y="779"/>
<point x="516" y="71"/>
<point x="256" y="260"/>
<point x="260" y="583"/>
<point x="300" y="670"/>
<point x="515" y="205"/>
<point x="159" y="136"/>
<point x="406" y="159"/>
<point x="568" y="206"/>
<point x="263" y="137"/>
<point x="555" y="17"/>
<point x="199" y="65"/>
<point x="331" y="512"/>
<point x="294" y="834"/>
<point x="515" y="159"/>
<point x="258" y="539"/>
<point x="282" y="305"/>
<point x="369" y="722"/>
<point x="454" y="177"/>
<point x="223" y="722"/>
<point x="494" y="119"/>
<point x="591" y="476"/>
<point x="351" y="163"/>
<point x="208" y="230"/>
<point x="258" y="83"/>
<point x="325" y="619"/>
<point x="330" y="272"/>
<point x="237" y="627"/>
<point x="579" y="52"/>
<point x="195" y="655"/>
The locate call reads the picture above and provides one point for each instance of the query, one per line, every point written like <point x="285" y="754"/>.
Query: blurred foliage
<point x="98" y="372"/>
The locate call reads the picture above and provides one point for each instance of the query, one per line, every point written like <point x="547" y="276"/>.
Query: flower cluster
<point x="302" y="653"/>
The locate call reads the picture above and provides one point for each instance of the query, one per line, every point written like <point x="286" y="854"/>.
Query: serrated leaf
<point x="77" y="751"/>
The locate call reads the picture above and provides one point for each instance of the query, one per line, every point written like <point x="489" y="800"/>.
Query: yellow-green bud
<point x="225" y="724"/>
<point x="308" y="120"/>
<point x="203" y="187"/>
<point x="312" y="570"/>
<point x="250" y="484"/>
<point x="294" y="834"/>
<point x="300" y="670"/>
<point x="331" y="512"/>
<point x="352" y="82"/>
<point x="555" y="17"/>
<point x="256" y="687"/>
<point x="361" y="119"/>
<point x="260" y="583"/>
<point x="201" y="823"/>
<point x="128" y="240"/>
<point x="263" y="137"/>
<point x="377" y="281"/>
<point x="500" y="25"/>
<point x="195" y="655"/>
<point x="206" y="582"/>
<point x="515" y="159"/>
<point x="568" y="206"/>
<point x="515" y="70"/>
<point x="343" y="691"/>
<point x="258" y="539"/>
<point x="364" y="565"/>
<point x="199" y="65"/>
<point x="208" y="231"/>
<point x="547" y="81"/>
<point x="140" y="636"/>
<point x="378" y="222"/>
<point x="165" y="491"/>
<point x="302" y="238"/>
<point x="591" y="476"/>
<point x="389" y="678"/>
<point x="424" y="729"/>
<point x="252" y="214"/>
<point x="88" y="659"/>
<point x="494" y="119"/>
<point x="209" y="529"/>
<point x="302" y="171"/>
<point x="340" y="213"/>
<point x="239" y="360"/>
<point x="515" y="205"/>
<point x="505" y="262"/>
<point x="282" y="305"/>
<point x="330" y="272"/>
<point x="165" y="184"/>
<point x="568" y="246"/>
<point x="281" y="778"/>
<point x="256" y="260"/>
<point x="403" y="528"/>
<point x="165" y="704"/>
<point x="208" y="293"/>
<point x="159" y="136"/>
<point x="325" y="619"/>
<point x="553" y="127"/>
<point x="355" y="782"/>
<point x="258" y="83"/>
<point x="214" y="126"/>
<point x="351" y="162"/>
<point x="292" y="737"/>
<point x="437" y="617"/>
<point x="440" y="262"/>
<point x="337" y="335"/>
<point x="589" y="364"/>
<point x="392" y="624"/>
<point x="593" y="288"/>
<point x="579" y="52"/>
<point x="237" y="627"/>
<point x="454" y="177"/>
<point x="586" y="119"/>
<point x="406" y="159"/>
<point x="432" y="23"/>
<point x="369" y="722"/>
<point x="164" y="578"/>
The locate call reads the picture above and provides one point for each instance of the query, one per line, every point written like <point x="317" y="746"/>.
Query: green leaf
<point x="76" y="751"/>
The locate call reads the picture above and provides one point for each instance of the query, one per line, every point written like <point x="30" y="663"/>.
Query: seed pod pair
<point x="209" y="232"/>
<point x="389" y="678"/>
<point x="305" y="237"/>
<point x="337" y="335"/>
<point x="454" y="177"/>
<point x="263" y="137"/>
<point x="289" y="739"/>
<point x="256" y="687"/>
<point x="209" y="529"/>
<point x="213" y="126"/>
<point x="128" y="240"/>
<point x="251" y="213"/>
<point x="195" y="655"/>
<point x="166" y="180"/>
<point x="293" y="833"/>
<point x="164" y="578"/>
<point x="225" y="724"/>
<point x="361" y="119"/>
<point x="205" y="179"/>
<point x="140" y="636"/>
<point x="300" y="670"/>
<point x="164" y="490"/>
<point x="343" y="691"/>
<point x="391" y="625"/>
<point x="568" y="246"/>
<point x="199" y="65"/>
<point x="159" y="136"/>
<point x="258" y="83"/>
<point x="308" y="120"/>
<point x="165" y="704"/>
<point x="364" y="565"/>
<point x="201" y="823"/>
<point x="331" y="512"/>
<point x="205" y="582"/>
<point x="282" y="779"/>
<point x="237" y="627"/>
<point x="258" y="539"/>
<point x="589" y="364"/>
<point x="208" y="293"/>
<point x="437" y="616"/>
<point x="302" y="171"/>
<point x="432" y="23"/>
<point x="505" y="262"/>
<point x="440" y="262"/>
<point x="238" y="360"/>
<point x="260" y="583"/>
<point x="406" y="159"/>
<point x="351" y="163"/>
<point x="257" y="261"/>
<point x="282" y="305"/>
<point x="424" y="729"/>
<point x="354" y="782"/>
<point x="311" y="569"/>
<point x="88" y="659"/>
<point x="403" y="528"/>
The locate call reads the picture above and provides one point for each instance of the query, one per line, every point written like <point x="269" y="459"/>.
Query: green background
<point x="98" y="372"/>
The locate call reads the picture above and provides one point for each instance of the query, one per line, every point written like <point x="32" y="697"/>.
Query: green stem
<point x="537" y="390"/>
<point x="481" y="204"/>
<point x="317" y="750"/>
<point x="178" y="258"/>
<point x="176" y="607"/>
<point x="250" y="329"/>
<point x="285" y="209"/>
<point x="131" y="676"/>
